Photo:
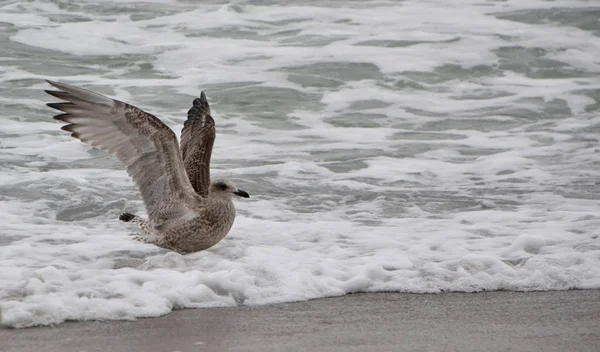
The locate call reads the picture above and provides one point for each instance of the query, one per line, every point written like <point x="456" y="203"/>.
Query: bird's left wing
<point x="142" y="142"/>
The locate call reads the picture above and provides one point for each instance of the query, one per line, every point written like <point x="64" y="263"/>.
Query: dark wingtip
<point x="62" y="117"/>
<point x="126" y="217"/>
<point x="68" y="128"/>
<point x="60" y="106"/>
<point x="200" y="109"/>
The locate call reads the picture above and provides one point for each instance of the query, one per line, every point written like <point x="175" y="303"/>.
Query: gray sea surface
<point x="415" y="146"/>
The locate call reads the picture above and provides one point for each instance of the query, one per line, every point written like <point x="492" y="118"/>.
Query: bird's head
<point x="226" y="188"/>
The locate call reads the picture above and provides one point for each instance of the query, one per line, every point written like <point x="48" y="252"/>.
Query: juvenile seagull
<point x="186" y="212"/>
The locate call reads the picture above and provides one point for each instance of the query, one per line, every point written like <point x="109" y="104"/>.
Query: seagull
<point x="186" y="211"/>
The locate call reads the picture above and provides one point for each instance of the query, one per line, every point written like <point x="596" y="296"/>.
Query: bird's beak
<point x="241" y="193"/>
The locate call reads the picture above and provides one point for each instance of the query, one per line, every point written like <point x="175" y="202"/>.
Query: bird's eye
<point x="222" y="187"/>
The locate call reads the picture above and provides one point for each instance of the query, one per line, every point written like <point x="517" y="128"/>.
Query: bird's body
<point x="216" y="216"/>
<point x="186" y="212"/>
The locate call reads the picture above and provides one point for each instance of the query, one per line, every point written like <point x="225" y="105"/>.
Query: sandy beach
<point x="492" y="321"/>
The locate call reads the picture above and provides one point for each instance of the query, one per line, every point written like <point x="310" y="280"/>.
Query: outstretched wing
<point x="197" y="139"/>
<point x="146" y="146"/>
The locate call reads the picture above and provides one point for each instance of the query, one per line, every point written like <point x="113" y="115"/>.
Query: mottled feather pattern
<point x="197" y="139"/>
<point x="144" y="144"/>
<point x="185" y="213"/>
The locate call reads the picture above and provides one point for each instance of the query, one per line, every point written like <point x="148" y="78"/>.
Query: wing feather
<point x="197" y="139"/>
<point x="144" y="144"/>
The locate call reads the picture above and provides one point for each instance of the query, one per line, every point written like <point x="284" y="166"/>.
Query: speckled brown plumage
<point x="186" y="212"/>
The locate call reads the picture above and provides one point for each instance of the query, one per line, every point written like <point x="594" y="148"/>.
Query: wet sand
<point x="493" y="321"/>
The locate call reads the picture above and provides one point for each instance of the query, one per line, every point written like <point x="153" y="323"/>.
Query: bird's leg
<point x="136" y="220"/>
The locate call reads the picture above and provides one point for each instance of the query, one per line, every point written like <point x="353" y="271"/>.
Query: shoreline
<point x="490" y="321"/>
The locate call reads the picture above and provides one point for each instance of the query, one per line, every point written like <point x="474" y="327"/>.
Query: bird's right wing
<point x="197" y="139"/>
<point x="146" y="146"/>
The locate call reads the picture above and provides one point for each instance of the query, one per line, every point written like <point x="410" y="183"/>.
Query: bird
<point x="186" y="211"/>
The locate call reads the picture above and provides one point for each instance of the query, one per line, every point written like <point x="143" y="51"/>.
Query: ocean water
<point x="409" y="146"/>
